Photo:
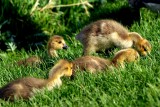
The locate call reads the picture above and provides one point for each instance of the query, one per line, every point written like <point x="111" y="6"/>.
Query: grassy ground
<point x="136" y="85"/>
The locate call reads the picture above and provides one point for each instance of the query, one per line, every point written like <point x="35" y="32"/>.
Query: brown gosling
<point x="95" y="64"/>
<point x="55" y="43"/>
<point x="30" y="61"/>
<point x="26" y="87"/>
<point x="125" y="55"/>
<point x="91" y="64"/>
<point x="104" y="34"/>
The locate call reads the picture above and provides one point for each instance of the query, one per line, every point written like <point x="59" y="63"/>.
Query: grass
<point x="136" y="85"/>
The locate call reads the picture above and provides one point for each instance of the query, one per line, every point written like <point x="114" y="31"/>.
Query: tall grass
<point x="135" y="85"/>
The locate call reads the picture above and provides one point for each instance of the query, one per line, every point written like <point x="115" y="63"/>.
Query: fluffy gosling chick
<point x="95" y="64"/>
<point x="104" y="34"/>
<point x="92" y="64"/>
<point x="25" y="87"/>
<point x="30" y="61"/>
<point x="125" y="55"/>
<point x="55" y="42"/>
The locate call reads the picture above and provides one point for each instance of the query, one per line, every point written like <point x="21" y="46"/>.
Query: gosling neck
<point x="135" y="37"/>
<point x="53" y="52"/>
<point x="54" y="81"/>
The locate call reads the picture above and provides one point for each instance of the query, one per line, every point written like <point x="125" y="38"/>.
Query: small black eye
<point x="59" y="42"/>
<point x="66" y="68"/>
<point x="144" y="48"/>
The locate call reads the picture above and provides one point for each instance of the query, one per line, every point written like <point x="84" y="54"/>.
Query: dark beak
<point x="65" y="46"/>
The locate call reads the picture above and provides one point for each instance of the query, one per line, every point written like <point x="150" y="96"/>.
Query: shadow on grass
<point x="124" y="14"/>
<point x="26" y="33"/>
